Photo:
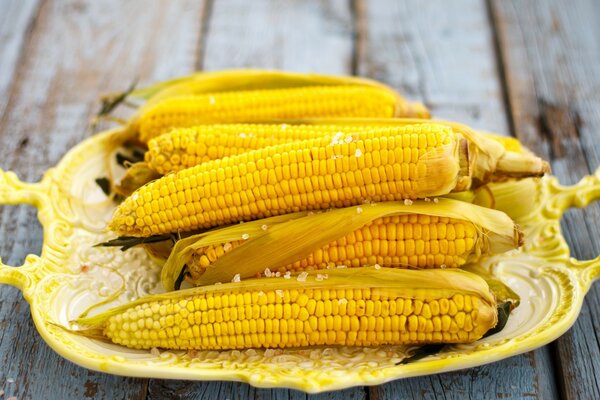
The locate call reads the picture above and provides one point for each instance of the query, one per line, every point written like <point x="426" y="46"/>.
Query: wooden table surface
<point x="524" y="68"/>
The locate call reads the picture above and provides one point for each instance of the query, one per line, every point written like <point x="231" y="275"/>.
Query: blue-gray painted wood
<point x="437" y="51"/>
<point x="551" y="57"/>
<point x="514" y="378"/>
<point x="159" y="390"/>
<point x="303" y="36"/>
<point x="16" y="19"/>
<point x="444" y="55"/>
<point x="72" y="52"/>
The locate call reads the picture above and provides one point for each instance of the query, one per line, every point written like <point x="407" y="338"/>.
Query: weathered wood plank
<point x="75" y="51"/>
<point x="290" y="35"/>
<point x="439" y="52"/>
<point x="234" y="390"/>
<point x="508" y="379"/>
<point x="304" y="36"/>
<point x="444" y="55"/>
<point x="15" y="21"/>
<point x="552" y="63"/>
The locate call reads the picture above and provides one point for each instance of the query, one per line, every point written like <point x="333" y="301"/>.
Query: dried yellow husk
<point x="421" y="284"/>
<point x="281" y="240"/>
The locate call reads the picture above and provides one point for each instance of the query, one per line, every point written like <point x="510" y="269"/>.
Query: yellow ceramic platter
<point x="71" y="275"/>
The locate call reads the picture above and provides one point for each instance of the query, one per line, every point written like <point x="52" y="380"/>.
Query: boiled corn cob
<point x="182" y="148"/>
<point x="407" y="241"/>
<point x="257" y="105"/>
<point x="445" y="233"/>
<point x="388" y="163"/>
<point x="257" y="95"/>
<point x="354" y="307"/>
<point x="313" y="174"/>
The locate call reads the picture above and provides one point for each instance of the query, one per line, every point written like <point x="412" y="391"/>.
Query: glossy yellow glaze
<point x="71" y="275"/>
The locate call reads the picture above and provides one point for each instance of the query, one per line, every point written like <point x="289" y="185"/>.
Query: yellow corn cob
<point x="331" y="171"/>
<point x="257" y="105"/>
<point x="387" y="163"/>
<point x="405" y="241"/>
<point x="423" y="234"/>
<point x="254" y="95"/>
<point x="355" y="307"/>
<point x="182" y="148"/>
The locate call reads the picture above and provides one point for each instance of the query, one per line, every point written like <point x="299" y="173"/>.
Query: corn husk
<point x="403" y="283"/>
<point x="281" y="240"/>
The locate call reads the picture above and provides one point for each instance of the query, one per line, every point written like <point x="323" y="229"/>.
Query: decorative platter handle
<point x="13" y="191"/>
<point x="580" y="195"/>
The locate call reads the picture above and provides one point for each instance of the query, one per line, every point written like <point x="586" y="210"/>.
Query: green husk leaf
<point x="109" y="103"/>
<point x="504" y="310"/>
<point x="412" y="283"/>
<point x="104" y="184"/>
<point x="181" y="278"/>
<point x="422" y="352"/>
<point x="127" y="242"/>
<point x="135" y="157"/>
<point x="293" y="238"/>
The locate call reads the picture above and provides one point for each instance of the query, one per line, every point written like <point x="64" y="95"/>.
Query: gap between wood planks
<point x="205" y="15"/>
<point x="501" y="66"/>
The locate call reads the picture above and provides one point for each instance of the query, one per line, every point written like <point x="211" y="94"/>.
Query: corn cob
<point x="446" y="233"/>
<point x="355" y="307"/>
<point x="182" y="148"/>
<point x="407" y="241"/>
<point x="388" y="163"/>
<point x="257" y="105"/>
<point x="258" y="95"/>
<point x="295" y="176"/>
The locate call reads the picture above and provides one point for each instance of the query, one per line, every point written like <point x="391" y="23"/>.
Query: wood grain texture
<point x="16" y="19"/>
<point x="514" y="378"/>
<point x="292" y="35"/>
<point x="552" y="62"/>
<point x="176" y="390"/>
<point x="74" y="51"/>
<point x="444" y="55"/>
<point x="304" y="36"/>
